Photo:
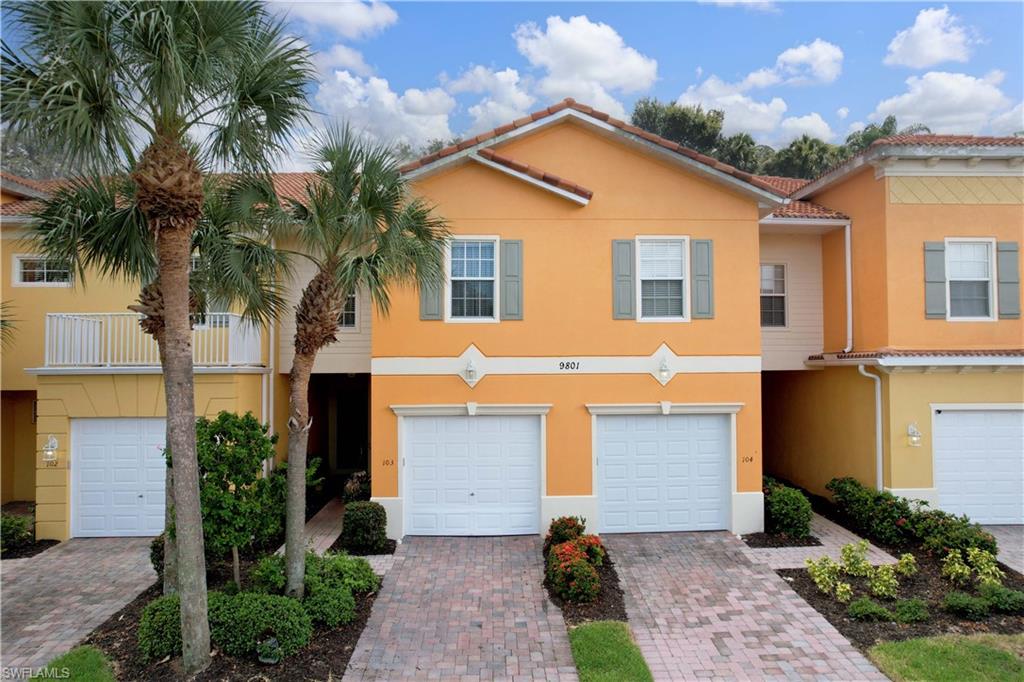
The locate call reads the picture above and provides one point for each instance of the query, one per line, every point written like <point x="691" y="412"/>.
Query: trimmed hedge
<point x="364" y="527"/>
<point x="787" y="510"/>
<point x="238" y="624"/>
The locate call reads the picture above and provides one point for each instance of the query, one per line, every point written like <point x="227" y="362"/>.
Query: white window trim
<point x="639" y="280"/>
<point x="784" y="295"/>
<point x="448" y="280"/>
<point x="16" y="280"/>
<point x="993" y="277"/>
<point x="354" y="329"/>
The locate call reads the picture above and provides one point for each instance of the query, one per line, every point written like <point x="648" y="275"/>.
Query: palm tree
<point x="364" y="231"/>
<point x="160" y="92"/>
<point x="860" y="140"/>
<point x="806" y="157"/>
<point x="7" y="323"/>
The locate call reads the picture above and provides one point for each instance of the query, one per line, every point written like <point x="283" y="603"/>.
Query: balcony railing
<point x="115" y="340"/>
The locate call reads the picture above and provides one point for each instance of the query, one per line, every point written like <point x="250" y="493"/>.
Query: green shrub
<point x="564" y="529"/>
<point x="15" y="531"/>
<point x="883" y="583"/>
<point x="570" y="573"/>
<point x="238" y="624"/>
<point x="330" y="606"/>
<point x="906" y="566"/>
<point x="867" y="609"/>
<point x="878" y="514"/>
<point x="854" y="558"/>
<point x="985" y="567"/>
<point x="364" y="527"/>
<point x="965" y="605"/>
<point x="911" y="611"/>
<point x="1002" y="599"/>
<point x="843" y="592"/>
<point x="156" y="555"/>
<point x="342" y="570"/>
<point x="593" y="548"/>
<point x="268" y="575"/>
<point x="160" y="628"/>
<point x="824" y="572"/>
<point x="941" y="532"/>
<point x="356" y="488"/>
<point x="787" y="511"/>
<point x="954" y="569"/>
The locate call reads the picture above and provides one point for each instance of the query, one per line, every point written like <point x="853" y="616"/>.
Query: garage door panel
<point x="978" y="464"/>
<point x="663" y="472"/>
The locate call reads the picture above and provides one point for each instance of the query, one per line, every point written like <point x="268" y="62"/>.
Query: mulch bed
<point x="608" y="605"/>
<point x="389" y="548"/>
<point x="326" y="657"/>
<point x="766" y="540"/>
<point x="27" y="551"/>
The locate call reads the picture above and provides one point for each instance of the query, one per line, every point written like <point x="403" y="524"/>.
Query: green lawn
<point x="952" y="658"/>
<point x="83" y="663"/>
<point x="605" y="652"/>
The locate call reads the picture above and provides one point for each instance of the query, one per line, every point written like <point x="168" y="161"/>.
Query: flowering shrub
<point x="854" y="556"/>
<point x="883" y="583"/>
<point x="941" y="532"/>
<point x="878" y="514"/>
<point x="824" y="572"/>
<point x="906" y="565"/>
<point x="954" y="569"/>
<point x="592" y="547"/>
<point x="984" y="565"/>
<point x="563" y="529"/>
<point x="570" y="573"/>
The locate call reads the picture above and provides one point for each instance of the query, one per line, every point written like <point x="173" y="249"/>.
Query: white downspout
<point x="878" y="423"/>
<point x="849" y="291"/>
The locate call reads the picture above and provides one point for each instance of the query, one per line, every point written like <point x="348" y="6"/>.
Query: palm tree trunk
<point x="298" y="439"/>
<point x="173" y="260"/>
<point x="170" y="544"/>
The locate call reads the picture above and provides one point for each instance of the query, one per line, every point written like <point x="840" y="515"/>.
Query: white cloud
<point x="753" y="5"/>
<point x="948" y="102"/>
<point x="585" y="60"/>
<point x="816" y="62"/>
<point x="351" y="19"/>
<point x="812" y="124"/>
<point x="341" y="57"/>
<point x="506" y="97"/>
<point x="855" y="126"/>
<point x="1011" y="122"/>
<point x="937" y="36"/>
<point x="414" y="116"/>
<point x="842" y="113"/>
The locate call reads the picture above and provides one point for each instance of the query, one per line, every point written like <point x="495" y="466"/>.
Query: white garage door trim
<point x="936" y="408"/>
<point x="79" y="439"/>
<point x="395" y="506"/>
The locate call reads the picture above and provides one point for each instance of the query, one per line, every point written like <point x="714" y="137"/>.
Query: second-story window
<point x="347" y="319"/>
<point x="662" y="268"/>
<point x="36" y="271"/>
<point x="773" y="295"/>
<point x="969" y="279"/>
<point x="472" y="279"/>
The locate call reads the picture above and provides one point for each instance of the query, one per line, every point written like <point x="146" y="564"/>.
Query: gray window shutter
<point x="935" y="280"/>
<point x="1008" y="266"/>
<point x="431" y="305"/>
<point x="702" y="289"/>
<point x="511" y="279"/>
<point x="623" y="280"/>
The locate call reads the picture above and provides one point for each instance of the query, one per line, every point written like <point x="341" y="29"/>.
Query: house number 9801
<point x="568" y="364"/>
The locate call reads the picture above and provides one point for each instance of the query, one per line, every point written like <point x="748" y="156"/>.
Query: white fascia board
<point x="952" y="361"/>
<point x="471" y="409"/>
<point x="664" y="407"/>
<point x="805" y="222"/>
<point x="16" y="220"/>
<point x="575" y="198"/>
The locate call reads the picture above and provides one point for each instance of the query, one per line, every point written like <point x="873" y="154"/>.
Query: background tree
<point x="32" y="158"/>
<point x="806" y="157"/>
<point x="161" y="92"/>
<point x="860" y="140"/>
<point x="690" y="126"/>
<point x="740" y="150"/>
<point x="363" y="230"/>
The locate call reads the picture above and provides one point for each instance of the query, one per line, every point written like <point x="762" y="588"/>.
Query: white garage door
<point x="979" y="464"/>
<point x="118" y="474"/>
<point x="663" y="472"/>
<point x="472" y="475"/>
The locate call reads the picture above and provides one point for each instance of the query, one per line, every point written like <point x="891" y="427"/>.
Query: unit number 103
<point x="569" y="365"/>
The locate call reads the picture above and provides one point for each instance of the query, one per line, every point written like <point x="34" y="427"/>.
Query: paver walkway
<point x="699" y="609"/>
<point x="325" y="527"/>
<point x="54" y="599"/>
<point x="1011" y="545"/>
<point x="832" y="536"/>
<point x="464" y="608"/>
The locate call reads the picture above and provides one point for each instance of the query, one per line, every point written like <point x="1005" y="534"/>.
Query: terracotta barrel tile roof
<point x="536" y="173"/>
<point x="899" y="353"/>
<point x="950" y="141"/>
<point x="808" y="209"/>
<point x="787" y="185"/>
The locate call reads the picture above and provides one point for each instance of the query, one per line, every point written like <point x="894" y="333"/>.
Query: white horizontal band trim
<point x="663" y="407"/>
<point x="976" y="406"/>
<point x="473" y="365"/>
<point x="951" y="360"/>
<point x="471" y="409"/>
<point x="575" y="198"/>
<point x="56" y="371"/>
<point x="804" y="222"/>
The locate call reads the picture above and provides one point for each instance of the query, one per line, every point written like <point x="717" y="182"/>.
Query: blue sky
<point x="421" y="70"/>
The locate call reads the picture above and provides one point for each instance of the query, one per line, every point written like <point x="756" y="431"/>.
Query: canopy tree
<point x="160" y="93"/>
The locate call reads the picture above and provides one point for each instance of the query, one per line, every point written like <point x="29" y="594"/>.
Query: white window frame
<point x="496" y="317"/>
<point x="16" y="280"/>
<point x="784" y="295"/>
<point x="993" y="278"/>
<point x="354" y="329"/>
<point x="640" y="280"/>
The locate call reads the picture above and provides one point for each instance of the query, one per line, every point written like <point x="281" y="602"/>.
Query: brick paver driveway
<point x="54" y="599"/>
<point x="464" y="608"/>
<point x="1011" y="545"/>
<point x="699" y="609"/>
